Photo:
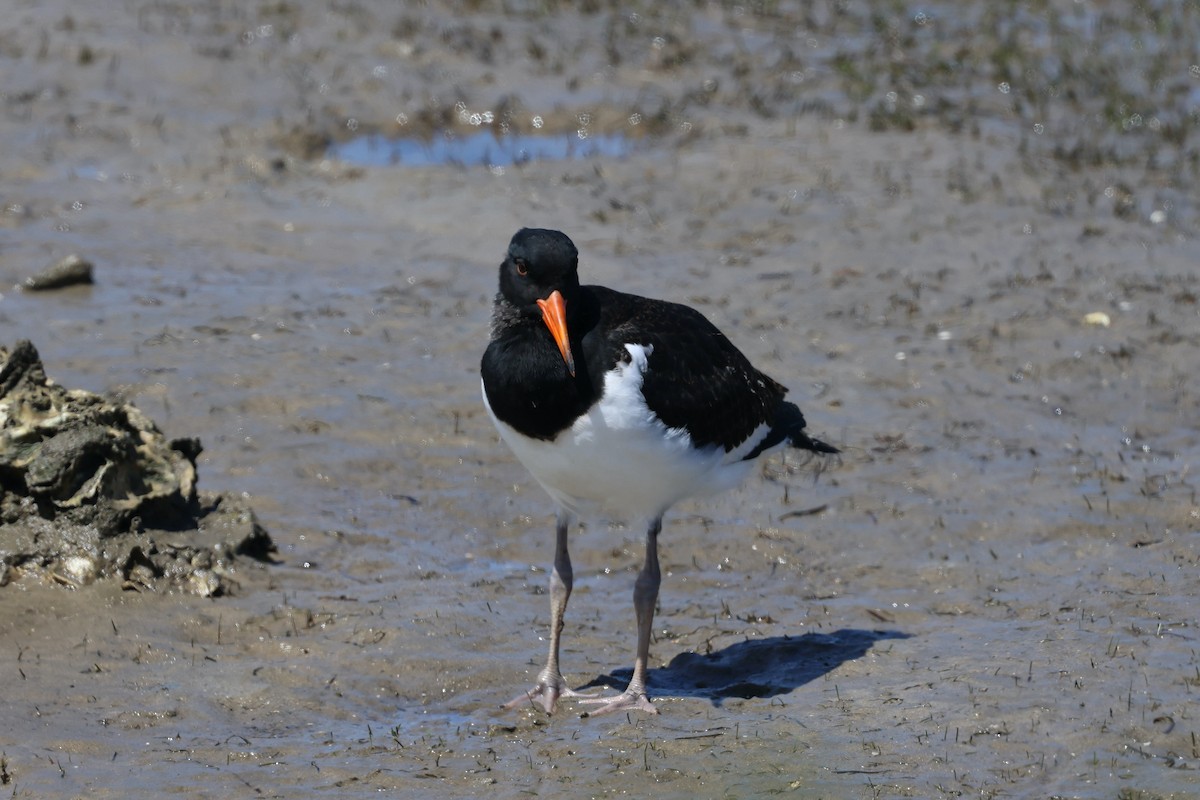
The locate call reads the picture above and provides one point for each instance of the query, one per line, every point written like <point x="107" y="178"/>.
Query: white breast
<point x="619" y="459"/>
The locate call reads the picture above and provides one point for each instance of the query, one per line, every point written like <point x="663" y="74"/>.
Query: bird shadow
<point x="755" y="667"/>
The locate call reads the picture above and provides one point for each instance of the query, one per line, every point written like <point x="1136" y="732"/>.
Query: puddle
<point x="478" y="149"/>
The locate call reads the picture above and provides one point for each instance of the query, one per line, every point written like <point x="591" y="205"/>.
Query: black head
<point x="539" y="262"/>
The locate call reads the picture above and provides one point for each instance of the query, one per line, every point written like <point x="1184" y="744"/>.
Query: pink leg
<point x="550" y="683"/>
<point x="645" y="596"/>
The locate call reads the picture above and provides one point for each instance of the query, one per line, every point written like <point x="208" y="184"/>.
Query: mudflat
<point x="964" y="235"/>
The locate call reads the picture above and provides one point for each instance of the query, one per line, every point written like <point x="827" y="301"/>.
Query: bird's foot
<point x="629" y="700"/>
<point x="550" y="686"/>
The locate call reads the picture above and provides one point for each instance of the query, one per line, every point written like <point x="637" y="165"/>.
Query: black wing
<point x="696" y="379"/>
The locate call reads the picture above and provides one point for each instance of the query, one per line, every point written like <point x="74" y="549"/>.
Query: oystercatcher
<point x="621" y="405"/>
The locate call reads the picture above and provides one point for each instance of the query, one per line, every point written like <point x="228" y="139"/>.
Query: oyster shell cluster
<point x="90" y="487"/>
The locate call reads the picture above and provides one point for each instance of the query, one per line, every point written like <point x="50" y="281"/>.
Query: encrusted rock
<point x="90" y="487"/>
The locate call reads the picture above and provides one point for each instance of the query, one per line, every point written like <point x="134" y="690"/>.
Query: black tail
<point x="789" y="425"/>
<point x="806" y="442"/>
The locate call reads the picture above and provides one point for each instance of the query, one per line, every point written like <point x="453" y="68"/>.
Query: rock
<point x="71" y="271"/>
<point x="75" y="450"/>
<point x="90" y="488"/>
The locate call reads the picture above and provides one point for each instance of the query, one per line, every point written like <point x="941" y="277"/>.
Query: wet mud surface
<point x="965" y="240"/>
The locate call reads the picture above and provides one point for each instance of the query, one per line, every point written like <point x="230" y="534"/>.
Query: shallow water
<point x="484" y="149"/>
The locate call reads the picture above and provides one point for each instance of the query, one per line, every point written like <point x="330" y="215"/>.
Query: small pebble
<point x="71" y="271"/>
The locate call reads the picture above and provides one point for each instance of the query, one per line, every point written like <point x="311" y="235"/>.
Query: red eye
<point x="522" y="269"/>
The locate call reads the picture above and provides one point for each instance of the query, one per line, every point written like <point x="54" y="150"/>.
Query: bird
<point x="618" y="405"/>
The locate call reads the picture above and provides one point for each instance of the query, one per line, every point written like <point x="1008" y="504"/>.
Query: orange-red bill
<point x="554" y="314"/>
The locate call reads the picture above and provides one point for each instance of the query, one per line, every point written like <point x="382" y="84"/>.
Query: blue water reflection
<point x="478" y="149"/>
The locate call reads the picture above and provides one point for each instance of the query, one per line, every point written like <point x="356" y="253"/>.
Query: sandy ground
<point x="993" y="594"/>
